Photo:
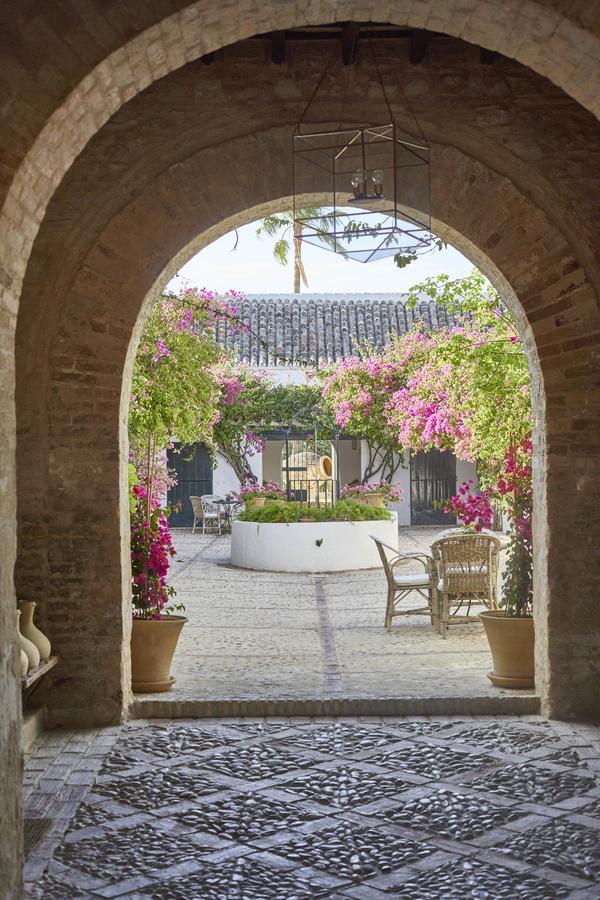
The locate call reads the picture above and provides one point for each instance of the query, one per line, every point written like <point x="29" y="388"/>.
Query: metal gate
<point x="194" y="478"/>
<point x="432" y="483"/>
<point x="309" y="471"/>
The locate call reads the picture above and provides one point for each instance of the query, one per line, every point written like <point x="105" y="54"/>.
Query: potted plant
<point x="509" y="629"/>
<point x="375" y="493"/>
<point x="255" y="495"/>
<point x="155" y="628"/>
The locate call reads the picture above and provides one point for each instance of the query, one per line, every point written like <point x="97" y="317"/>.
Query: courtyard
<point x="274" y="643"/>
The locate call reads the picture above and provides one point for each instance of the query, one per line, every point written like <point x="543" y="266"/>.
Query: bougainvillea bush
<point x="151" y="553"/>
<point x="464" y="388"/>
<point x="251" y="404"/>
<point x="512" y="491"/>
<point x="175" y="392"/>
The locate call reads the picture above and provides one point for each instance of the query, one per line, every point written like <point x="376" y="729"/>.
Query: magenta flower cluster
<point x="151" y="553"/>
<point x="391" y="492"/>
<point x="269" y="490"/>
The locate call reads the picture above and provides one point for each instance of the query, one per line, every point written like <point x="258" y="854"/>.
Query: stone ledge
<point x="518" y="704"/>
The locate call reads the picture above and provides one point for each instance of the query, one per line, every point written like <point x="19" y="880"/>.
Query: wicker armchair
<point x="467" y="572"/>
<point x="207" y="512"/>
<point x="401" y="585"/>
<point x="197" y="508"/>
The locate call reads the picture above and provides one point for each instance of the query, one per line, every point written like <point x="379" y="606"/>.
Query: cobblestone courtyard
<point x="274" y="636"/>
<point x="250" y="810"/>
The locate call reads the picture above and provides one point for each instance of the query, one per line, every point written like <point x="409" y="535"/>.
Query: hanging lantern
<point x="377" y="180"/>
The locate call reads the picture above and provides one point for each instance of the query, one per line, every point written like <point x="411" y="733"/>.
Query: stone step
<point x="161" y="707"/>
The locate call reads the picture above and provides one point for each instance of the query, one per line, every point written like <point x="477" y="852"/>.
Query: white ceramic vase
<point x="31" y="631"/>
<point x="24" y="662"/>
<point x="31" y="651"/>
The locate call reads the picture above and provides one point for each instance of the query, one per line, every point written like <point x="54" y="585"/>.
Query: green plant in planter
<point x="288" y="512"/>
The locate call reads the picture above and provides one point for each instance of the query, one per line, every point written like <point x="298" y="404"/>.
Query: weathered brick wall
<point x="67" y="69"/>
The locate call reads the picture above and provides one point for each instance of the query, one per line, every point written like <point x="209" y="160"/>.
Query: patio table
<point x="228" y="506"/>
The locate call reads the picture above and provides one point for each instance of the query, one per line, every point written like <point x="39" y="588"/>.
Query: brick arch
<point x="555" y="39"/>
<point x="94" y="311"/>
<point x="552" y="39"/>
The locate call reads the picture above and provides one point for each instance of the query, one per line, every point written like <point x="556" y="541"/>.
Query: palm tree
<point x="291" y="224"/>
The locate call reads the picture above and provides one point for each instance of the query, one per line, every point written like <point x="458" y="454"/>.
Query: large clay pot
<point x="375" y="499"/>
<point x="31" y="631"/>
<point x="29" y="649"/>
<point x="153" y="643"/>
<point x="511" y="643"/>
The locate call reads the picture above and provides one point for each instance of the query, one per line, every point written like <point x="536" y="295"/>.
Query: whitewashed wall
<point x="465" y="471"/>
<point x="401" y="479"/>
<point x="225" y="479"/>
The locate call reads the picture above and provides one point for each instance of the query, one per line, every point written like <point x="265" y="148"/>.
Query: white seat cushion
<point x="416" y="580"/>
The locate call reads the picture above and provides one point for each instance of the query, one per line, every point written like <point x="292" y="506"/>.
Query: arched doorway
<point x="120" y="254"/>
<point x="503" y="183"/>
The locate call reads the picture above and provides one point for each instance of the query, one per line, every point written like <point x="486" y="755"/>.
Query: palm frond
<point x="281" y="249"/>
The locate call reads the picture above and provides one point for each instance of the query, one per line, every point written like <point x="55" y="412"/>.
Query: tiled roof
<point x="316" y="329"/>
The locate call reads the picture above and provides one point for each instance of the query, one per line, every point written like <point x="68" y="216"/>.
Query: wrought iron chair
<point x="401" y="586"/>
<point x="466" y="567"/>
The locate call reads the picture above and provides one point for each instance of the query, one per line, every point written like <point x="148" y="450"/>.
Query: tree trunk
<point x="239" y="464"/>
<point x="297" y="256"/>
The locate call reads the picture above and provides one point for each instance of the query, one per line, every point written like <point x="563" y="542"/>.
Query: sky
<point x="251" y="268"/>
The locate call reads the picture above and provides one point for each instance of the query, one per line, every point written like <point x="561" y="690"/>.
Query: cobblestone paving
<point x="241" y="810"/>
<point x="274" y="635"/>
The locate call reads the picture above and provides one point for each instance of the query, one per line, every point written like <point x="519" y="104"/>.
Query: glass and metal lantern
<point x="370" y="184"/>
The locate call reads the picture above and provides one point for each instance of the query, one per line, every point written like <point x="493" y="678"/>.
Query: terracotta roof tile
<point x="317" y="329"/>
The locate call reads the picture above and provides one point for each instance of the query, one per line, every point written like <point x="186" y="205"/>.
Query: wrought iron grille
<point x="309" y="469"/>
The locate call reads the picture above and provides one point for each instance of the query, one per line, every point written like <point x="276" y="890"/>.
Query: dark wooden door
<point x="194" y="478"/>
<point x="432" y="483"/>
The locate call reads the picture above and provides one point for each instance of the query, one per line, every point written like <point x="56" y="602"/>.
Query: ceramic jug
<point x="31" y="631"/>
<point x="30" y="650"/>
<point x="24" y="662"/>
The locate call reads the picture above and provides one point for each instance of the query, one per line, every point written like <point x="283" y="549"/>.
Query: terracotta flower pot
<point x="511" y="644"/>
<point x="153" y="643"/>
<point x="255" y="502"/>
<point x="375" y="499"/>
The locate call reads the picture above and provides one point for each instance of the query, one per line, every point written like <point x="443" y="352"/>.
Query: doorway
<point x="193" y="470"/>
<point x="432" y="483"/>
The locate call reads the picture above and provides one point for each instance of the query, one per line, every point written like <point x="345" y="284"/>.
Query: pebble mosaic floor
<point x="254" y="810"/>
<point x="270" y="636"/>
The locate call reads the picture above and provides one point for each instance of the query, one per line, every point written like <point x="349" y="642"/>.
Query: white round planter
<point x="310" y="547"/>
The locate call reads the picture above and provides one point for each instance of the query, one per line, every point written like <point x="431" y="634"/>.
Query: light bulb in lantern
<point x="359" y="182"/>
<point x="377" y="179"/>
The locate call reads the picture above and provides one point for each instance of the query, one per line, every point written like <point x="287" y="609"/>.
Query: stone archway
<point x="520" y="194"/>
<point x="107" y="239"/>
